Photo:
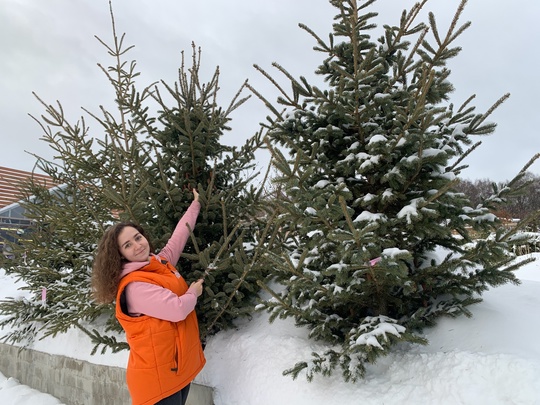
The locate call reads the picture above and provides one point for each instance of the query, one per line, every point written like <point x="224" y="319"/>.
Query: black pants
<point x="178" y="398"/>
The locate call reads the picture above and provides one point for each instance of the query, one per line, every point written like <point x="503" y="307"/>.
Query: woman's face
<point x="133" y="246"/>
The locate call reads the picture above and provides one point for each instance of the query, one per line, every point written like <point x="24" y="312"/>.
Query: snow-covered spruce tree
<point x="141" y="166"/>
<point x="367" y="203"/>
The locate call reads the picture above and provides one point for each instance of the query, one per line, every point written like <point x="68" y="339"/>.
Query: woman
<point x="155" y="307"/>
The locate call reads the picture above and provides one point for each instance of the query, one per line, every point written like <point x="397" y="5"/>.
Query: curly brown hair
<point x="108" y="263"/>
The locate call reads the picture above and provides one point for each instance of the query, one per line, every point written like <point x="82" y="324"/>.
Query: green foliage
<point x="373" y="163"/>
<point x="140" y="164"/>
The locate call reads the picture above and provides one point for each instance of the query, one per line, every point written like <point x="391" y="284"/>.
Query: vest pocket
<point x="177" y="356"/>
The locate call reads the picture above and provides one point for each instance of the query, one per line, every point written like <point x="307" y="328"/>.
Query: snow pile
<point x="14" y="393"/>
<point x="492" y="358"/>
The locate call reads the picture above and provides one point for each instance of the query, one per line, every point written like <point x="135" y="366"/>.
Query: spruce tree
<point x="140" y="163"/>
<point x="367" y="193"/>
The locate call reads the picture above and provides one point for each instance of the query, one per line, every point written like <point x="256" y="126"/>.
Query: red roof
<point x="10" y="182"/>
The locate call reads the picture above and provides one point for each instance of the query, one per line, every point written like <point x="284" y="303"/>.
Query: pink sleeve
<point x="175" y="246"/>
<point x="153" y="300"/>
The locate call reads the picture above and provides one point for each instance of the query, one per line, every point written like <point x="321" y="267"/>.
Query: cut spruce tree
<point x="366" y="169"/>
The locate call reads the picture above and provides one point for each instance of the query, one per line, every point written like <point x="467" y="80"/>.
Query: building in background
<point x="13" y="223"/>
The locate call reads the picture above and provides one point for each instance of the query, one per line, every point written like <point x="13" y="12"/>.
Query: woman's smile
<point x="132" y="245"/>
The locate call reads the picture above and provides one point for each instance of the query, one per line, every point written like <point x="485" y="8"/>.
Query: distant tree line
<point x="518" y="207"/>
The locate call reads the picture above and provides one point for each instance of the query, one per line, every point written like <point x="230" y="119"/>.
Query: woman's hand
<point x="195" y="195"/>
<point x="197" y="287"/>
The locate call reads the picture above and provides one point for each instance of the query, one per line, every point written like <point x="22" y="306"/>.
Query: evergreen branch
<point x="267" y="103"/>
<point x="273" y="294"/>
<point x="224" y="214"/>
<point x="323" y="45"/>
<point x="528" y="164"/>
<point x="99" y="339"/>
<point x="464" y="156"/>
<point x="117" y="52"/>
<point x="209" y="190"/>
<point x="164" y="182"/>
<point x="412" y="53"/>
<point x="296" y="87"/>
<point x="357" y="57"/>
<point x="271" y="79"/>
<point x="349" y="221"/>
<point x="466" y="103"/>
<point x="302" y="275"/>
<point x="222" y="249"/>
<point x="434" y="29"/>
<point x="442" y="191"/>
<point x="265" y="178"/>
<point x="477" y="122"/>
<point x="455" y="20"/>
<point x="246" y="271"/>
<point x="235" y="104"/>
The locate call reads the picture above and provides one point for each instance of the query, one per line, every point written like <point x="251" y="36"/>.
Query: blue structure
<point x="13" y="225"/>
<point x="13" y="222"/>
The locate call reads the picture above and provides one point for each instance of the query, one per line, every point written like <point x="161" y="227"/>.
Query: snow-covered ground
<point x="490" y="359"/>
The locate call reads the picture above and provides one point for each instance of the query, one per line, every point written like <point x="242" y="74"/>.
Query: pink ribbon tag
<point x="373" y="262"/>
<point x="44" y="296"/>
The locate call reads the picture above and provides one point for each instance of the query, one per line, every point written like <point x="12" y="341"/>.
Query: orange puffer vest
<point x="164" y="356"/>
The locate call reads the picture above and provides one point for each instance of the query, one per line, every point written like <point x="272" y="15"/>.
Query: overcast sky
<point x="48" y="47"/>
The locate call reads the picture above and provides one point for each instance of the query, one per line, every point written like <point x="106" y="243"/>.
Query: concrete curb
<point x="77" y="382"/>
